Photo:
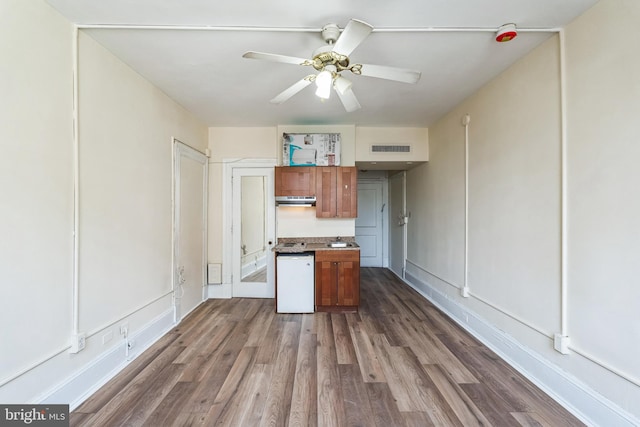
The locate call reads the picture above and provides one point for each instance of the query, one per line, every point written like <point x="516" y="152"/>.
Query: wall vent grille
<point x="391" y="148"/>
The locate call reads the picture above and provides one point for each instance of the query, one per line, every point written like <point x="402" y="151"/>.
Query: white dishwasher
<point x="295" y="287"/>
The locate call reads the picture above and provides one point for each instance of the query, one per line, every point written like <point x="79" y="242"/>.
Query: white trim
<point x="305" y="29"/>
<point x="465" y="121"/>
<point x="75" y="298"/>
<point x="81" y="385"/>
<point x="578" y="398"/>
<point x="564" y="269"/>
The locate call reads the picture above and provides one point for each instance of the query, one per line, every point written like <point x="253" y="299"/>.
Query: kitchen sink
<point x="340" y="245"/>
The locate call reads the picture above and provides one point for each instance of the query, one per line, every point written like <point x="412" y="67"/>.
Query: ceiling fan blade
<point x="292" y="90"/>
<point x="354" y="33"/>
<point x="275" y="58"/>
<point x="349" y="100"/>
<point x="389" y="73"/>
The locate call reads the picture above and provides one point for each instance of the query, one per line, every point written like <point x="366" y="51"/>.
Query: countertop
<point x="294" y="245"/>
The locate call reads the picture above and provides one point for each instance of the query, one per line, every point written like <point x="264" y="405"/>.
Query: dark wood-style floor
<point x="398" y="362"/>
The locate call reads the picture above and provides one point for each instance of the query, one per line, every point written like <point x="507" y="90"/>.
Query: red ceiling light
<point x="506" y="33"/>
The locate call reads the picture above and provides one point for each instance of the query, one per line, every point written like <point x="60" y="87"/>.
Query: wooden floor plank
<point x="344" y="347"/>
<point x="256" y="397"/>
<point x="278" y="404"/>
<point x="227" y="400"/>
<point x="370" y="366"/>
<point x="464" y="408"/>
<point x="329" y="394"/>
<point x="492" y="405"/>
<point x="398" y="361"/>
<point x="530" y="419"/>
<point x="167" y="411"/>
<point x="262" y="320"/>
<point x="418" y="419"/>
<point x="423" y="394"/>
<point x="304" y="409"/>
<point x="357" y="407"/>
<point x="384" y="408"/>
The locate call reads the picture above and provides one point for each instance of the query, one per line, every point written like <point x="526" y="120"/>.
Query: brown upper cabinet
<point x="295" y="181"/>
<point x="335" y="188"/>
<point x="336" y="192"/>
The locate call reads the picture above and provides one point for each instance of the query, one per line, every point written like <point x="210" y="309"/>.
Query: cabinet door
<point x="295" y="181"/>
<point x="326" y="284"/>
<point x="347" y="192"/>
<point x="326" y="192"/>
<point x="348" y="283"/>
<point x="337" y="280"/>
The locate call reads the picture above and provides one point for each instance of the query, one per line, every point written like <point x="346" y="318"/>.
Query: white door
<point x="253" y="233"/>
<point x="190" y="216"/>
<point x="369" y="223"/>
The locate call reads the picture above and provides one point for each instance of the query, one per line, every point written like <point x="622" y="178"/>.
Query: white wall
<point x="302" y="222"/>
<point x="126" y="126"/>
<point x="514" y="209"/>
<point x="36" y="182"/>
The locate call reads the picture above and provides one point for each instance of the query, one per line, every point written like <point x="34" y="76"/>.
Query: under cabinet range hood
<point x="295" y="200"/>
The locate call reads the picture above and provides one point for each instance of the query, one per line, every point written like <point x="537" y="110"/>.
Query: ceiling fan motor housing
<point x="330" y="33"/>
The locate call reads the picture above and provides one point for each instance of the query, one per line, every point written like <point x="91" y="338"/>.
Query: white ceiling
<point x="204" y="70"/>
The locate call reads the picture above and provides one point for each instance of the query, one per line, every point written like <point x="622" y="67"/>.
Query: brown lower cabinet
<point x="337" y="280"/>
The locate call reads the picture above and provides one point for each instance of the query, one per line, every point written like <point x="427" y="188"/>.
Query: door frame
<point x="179" y="148"/>
<point x="228" y="165"/>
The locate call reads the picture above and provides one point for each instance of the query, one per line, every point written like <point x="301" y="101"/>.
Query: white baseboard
<point x="83" y="384"/>
<point x="585" y="403"/>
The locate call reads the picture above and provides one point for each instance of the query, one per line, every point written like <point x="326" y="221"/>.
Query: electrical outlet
<point x="78" y="342"/>
<point x="124" y="330"/>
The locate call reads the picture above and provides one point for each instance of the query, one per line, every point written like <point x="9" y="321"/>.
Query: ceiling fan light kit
<point x="341" y="84"/>
<point x="330" y="60"/>
<point x="323" y="82"/>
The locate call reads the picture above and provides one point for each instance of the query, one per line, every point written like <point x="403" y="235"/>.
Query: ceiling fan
<point x="333" y="58"/>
